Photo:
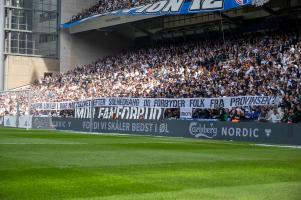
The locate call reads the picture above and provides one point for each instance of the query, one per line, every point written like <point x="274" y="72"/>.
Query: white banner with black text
<point x="200" y="103"/>
<point x="120" y="112"/>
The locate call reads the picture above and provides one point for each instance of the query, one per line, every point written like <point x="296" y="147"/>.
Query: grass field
<point x="53" y="165"/>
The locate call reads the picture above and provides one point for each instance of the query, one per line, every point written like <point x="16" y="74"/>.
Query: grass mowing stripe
<point x="129" y="167"/>
<point x="275" y="191"/>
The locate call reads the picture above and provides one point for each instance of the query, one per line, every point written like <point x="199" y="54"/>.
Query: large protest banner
<point x="200" y="103"/>
<point x="120" y="112"/>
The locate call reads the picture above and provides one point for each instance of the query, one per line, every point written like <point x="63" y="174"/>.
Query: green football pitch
<point x="54" y="165"/>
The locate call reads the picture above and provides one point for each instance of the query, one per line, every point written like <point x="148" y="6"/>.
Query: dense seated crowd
<point x="249" y="64"/>
<point x="10" y="101"/>
<point x="104" y="6"/>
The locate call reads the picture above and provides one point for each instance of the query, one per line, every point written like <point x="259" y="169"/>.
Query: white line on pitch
<point x="16" y="143"/>
<point x="279" y="146"/>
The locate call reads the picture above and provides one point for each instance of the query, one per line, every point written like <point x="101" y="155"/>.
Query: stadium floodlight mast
<point x="258" y="3"/>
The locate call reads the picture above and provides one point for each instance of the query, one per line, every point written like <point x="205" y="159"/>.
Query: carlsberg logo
<point x="201" y="130"/>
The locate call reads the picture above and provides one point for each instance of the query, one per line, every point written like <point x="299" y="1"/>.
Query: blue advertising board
<point x="173" y="7"/>
<point x="254" y="132"/>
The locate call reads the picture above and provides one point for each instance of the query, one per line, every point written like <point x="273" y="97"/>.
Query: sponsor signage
<point x="240" y="131"/>
<point x="173" y="7"/>
<point x="146" y="127"/>
<point x="23" y="121"/>
<point x="200" y="103"/>
<point x="186" y="113"/>
<point x="43" y="123"/>
<point x="10" y="121"/>
<point x="262" y="133"/>
<point x="200" y="130"/>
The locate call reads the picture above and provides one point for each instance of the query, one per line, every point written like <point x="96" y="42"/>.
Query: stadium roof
<point x="134" y="26"/>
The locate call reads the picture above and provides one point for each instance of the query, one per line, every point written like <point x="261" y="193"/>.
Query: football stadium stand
<point x="150" y="99"/>
<point x="250" y="64"/>
<point x="108" y="6"/>
<point x="230" y="55"/>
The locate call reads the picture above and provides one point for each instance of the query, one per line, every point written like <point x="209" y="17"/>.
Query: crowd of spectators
<point x="104" y="6"/>
<point x="248" y="64"/>
<point x="13" y="102"/>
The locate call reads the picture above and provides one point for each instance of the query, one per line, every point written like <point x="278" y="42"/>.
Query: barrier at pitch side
<point x="245" y="131"/>
<point x="23" y="121"/>
<point x="1" y="121"/>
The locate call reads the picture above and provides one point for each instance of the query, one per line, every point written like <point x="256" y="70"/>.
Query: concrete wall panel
<point x="86" y="47"/>
<point x="23" y="70"/>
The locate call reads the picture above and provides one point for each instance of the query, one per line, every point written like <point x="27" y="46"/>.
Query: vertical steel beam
<point x="2" y="18"/>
